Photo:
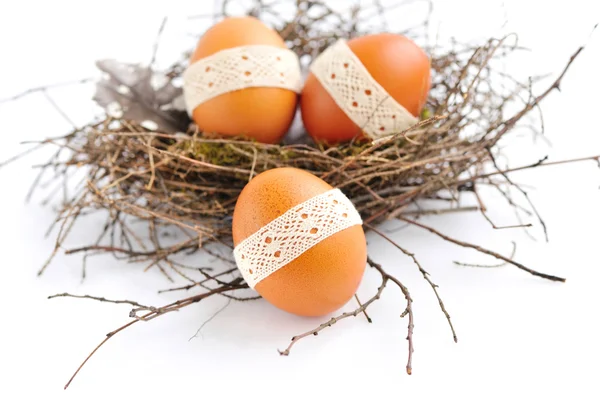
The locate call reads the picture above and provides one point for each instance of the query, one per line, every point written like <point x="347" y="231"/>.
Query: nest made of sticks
<point x="169" y="174"/>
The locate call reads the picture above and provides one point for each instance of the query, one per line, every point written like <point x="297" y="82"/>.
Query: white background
<point x="519" y="336"/>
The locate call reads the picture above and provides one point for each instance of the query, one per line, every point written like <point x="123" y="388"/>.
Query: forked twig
<point x="423" y="272"/>
<point x="385" y="278"/>
<point x="153" y="313"/>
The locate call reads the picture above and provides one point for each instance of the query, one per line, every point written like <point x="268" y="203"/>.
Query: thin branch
<point x="485" y="251"/>
<point x="364" y="310"/>
<point x="407" y="311"/>
<point x="385" y="277"/>
<point x="483" y="210"/>
<point x="101" y="299"/>
<point x="153" y="314"/>
<point x="334" y="320"/>
<point x="59" y="109"/>
<point x="423" y="272"/>
<point x="537" y="214"/>
<point x="512" y="255"/>
<point x="44" y="88"/>
<point x="210" y="319"/>
<point x="157" y="40"/>
<point x="510" y="123"/>
<point x="526" y="167"/>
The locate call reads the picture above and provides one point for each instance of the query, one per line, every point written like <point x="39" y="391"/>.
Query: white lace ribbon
<point x="239" y="68"/>
<point x="290" y="235"/>
<point x="358" y="94"/>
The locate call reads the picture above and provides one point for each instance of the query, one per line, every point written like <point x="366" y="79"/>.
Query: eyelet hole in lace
<point x="304" y="216"/>
<point x="368" y="92"/>
<point x="247" y="73"/>
<point x="211" y="84"/>
<point x="346" y="65"/>
<point x="245" y="57"/>
<point x="355" y="104"/>
<point x="268" y="240"/>
<point x="277" y="254"/>
<point x="207" y="69"/>
<point x="333" y="76"/>
<point x="314" y="230"/>
<point x="345" y="215"/>
<point x="382" y="128"/>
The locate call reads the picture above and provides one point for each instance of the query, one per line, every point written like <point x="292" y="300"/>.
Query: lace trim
<point x="287" y="237"/>
<point x="239" y="68"/>
<point x="355" y="91"/>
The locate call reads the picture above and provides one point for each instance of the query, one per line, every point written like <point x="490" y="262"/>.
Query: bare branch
<point x="485" y="251"/>
<point x="407" y="311"/>
<point x="423" y="272"/>
<point x="155" y="313"/>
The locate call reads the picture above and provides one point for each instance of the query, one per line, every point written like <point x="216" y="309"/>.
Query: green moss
<point x="426" y="114"/>
<point x="214" y="153"/>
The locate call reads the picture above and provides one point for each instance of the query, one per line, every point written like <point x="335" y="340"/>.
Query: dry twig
<point x="385" y="279"/>
<point x="154" y="312"/>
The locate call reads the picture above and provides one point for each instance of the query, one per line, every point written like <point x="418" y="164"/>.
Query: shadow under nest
<point x="183" y="179"/>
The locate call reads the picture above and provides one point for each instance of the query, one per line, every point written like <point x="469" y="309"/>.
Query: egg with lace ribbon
<point x="242" y="80"/>
<point x="366" y="88"/>
<point x="298" y="242"/>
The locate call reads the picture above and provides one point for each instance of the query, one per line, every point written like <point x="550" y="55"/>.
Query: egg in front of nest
<point x="242" y="80"/>
<point x="298" y="242"/>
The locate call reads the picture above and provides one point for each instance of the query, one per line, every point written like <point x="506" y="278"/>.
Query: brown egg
<point x="321" y="279"/>
<point x="262" y="113"/>
<point x="394" y="61"/>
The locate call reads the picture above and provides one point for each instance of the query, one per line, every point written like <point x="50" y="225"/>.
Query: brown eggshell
<point x="394" y="61"/>
<point x="323" y="278"/>
<point x="262" y="113"/>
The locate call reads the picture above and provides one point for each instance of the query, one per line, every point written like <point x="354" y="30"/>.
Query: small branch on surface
<point x="334" y="320"/>
<point x="101" y="299"/>
<point x="423" y="272"/>
<point x="133" y="313"/>
<point x="407" y="311"/>
<point x="512" y="255"/>
<point x="485" y="251"/>
<point x="152" y="314"/>
<point x="364" y="310"/>
<point x="385" y="278"/>
<point x="198" y="332"/>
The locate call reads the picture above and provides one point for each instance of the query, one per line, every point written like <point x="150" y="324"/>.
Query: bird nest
<point x="147" y="164"/>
